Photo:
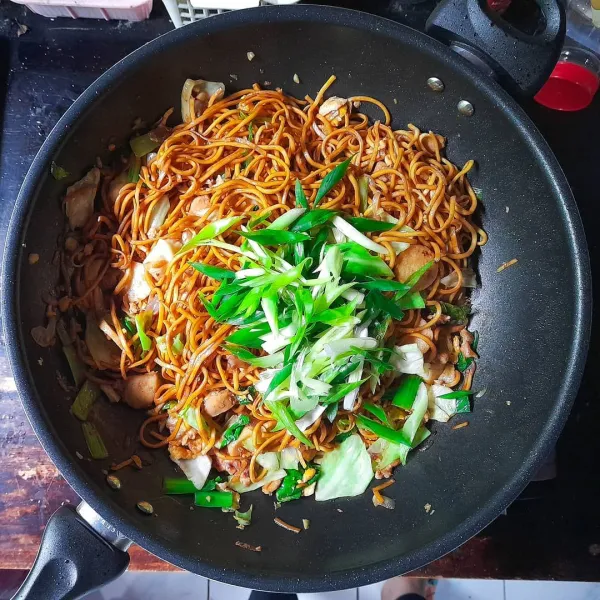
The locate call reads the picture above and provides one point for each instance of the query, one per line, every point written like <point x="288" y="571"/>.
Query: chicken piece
<point x="199" y="206"/>
<point x="180" y="453"/>
<point x="160" y="256"/>
<point x="218" y="402"/>
<point x="114" y="187"/>
<point x="466" y="338"/>
<point x="45" y="336"/>
<point x="138" y="287"/>
<point x="441" y="373"/>
<point x="233" y="362"/>
<point x="411" y="260"/>
<point x="380" y="166"/>
<point x="199" y="92"/>
<point x="387" y="472"/>
<point x="79" y="200"/>
<point x="334" y="109"/>
<point x="139" y="390"/>
<point x="271" y="487"/>
<point x="411" y="339"/>
<point x="236" y="448"/>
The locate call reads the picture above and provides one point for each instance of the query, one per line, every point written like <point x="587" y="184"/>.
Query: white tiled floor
<point x="185" y="586"/>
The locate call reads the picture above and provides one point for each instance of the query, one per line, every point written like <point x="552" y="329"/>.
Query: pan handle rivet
<point x="465" y="108"/>
<point x="436" y="84"/>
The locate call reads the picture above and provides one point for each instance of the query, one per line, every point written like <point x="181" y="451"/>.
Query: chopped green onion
<point x="216" y="273"/>
<point x="313" y="218"/>
<point x="149" y="142"/>
<point x="382" y="431"/>
<point x="365" y="225"/>
<point x="414" y="300"/>
<point x="135" y="165"/>
<point x="243" y="518"/>
<point x="273" y="360"/>
<point x="384" y="285"/>
<point x="75" y="364"/>
<point x="407" y="392"/>
<point x="284" y="416"/>
<point x="212" y="230"/>
<point x="376" y="411"/>
<point x="249" y="336"/>
<point x="87" y="395"/>
<point x="216" y="499"/>
<point x="129" y="325"/>
<point x="287" y="219"/>
<point x="252" y="223"/>
<point x="412" y="424"/>
<point x="140" y="323"/>
<point x="414" y="278"/>
<point x="211" y="484"/>
<point x="178" y="345"/>
<point x="178" y="485"/>
<point x="300" y="195"/>
<point x="339" y="391"/>
<point x="363" y="192"/>
<point x="234" y="430"/>
<point x="379" y="301"/>
<point x="463" y="405"/>
<point x="457" y="394"/>
<point x="250" y="132"/>
<point x="58" y="172"/>
<point x="94" y="441"/>
<point x="273" y="237"/>
<point x="289" y="490"/>
<point x="280" y="377"/>
<point x="359" y="262"/>
<point x="330" y="180"/>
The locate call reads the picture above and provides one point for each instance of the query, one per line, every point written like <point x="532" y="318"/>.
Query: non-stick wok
<point x="533" y="318"/>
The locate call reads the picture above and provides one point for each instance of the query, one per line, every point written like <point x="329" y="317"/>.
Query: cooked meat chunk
<point x="466" y="338"/>
<point x="199" y="206"/>
<point x="80" y="198"/>
<point x="411" y="260"/>
<point x="218" y="402"/>
<point x="140" y="389"/>
<point x="334" y="109"/>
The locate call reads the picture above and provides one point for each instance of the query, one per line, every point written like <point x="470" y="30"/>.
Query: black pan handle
<point x="76" y="556"/>
<point x="521" y="62"/>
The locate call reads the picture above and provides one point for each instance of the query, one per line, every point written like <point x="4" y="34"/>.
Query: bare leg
<point x="414" y="588"/>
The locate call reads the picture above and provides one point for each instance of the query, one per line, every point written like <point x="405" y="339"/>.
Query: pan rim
<point x="253" y="578"/>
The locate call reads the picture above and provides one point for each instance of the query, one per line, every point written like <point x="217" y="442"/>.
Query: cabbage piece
<point x="198" y="91"/>
<point x="441" y="409"/>
<point x="345" y="471"/>
<point x="105" y="352"/>
<point x="79" y="200"/>
<point x="195" y="469"/>
<point x="408" y="359"/>
<point x="384" y="452"/>
<point x="275" y="463"/>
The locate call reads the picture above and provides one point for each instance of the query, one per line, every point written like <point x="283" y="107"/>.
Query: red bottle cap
<point x="570" y="87"/>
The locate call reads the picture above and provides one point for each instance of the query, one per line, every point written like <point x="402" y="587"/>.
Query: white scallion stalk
<point x="356" y="236"/>
<point x="320" y="388"/>
<point x="243" y="273"/>
<point x="286" y="219"/>
<point x="334" y="349"/>
<point x="352" y="294"/>
<point x="159" y="213"/>
<point x="310" y="417"/>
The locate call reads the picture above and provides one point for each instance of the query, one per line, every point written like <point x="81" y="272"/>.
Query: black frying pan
<point x="533" y="318"/>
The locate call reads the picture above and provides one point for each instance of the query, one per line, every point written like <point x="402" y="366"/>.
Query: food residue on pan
<point x="507" y="264"/>
<point x="246" y="546"/>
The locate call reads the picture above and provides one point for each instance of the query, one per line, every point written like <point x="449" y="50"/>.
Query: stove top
<point x="45" y="69"/>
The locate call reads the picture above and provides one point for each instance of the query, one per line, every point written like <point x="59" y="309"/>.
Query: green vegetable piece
<point x="273" y="360"/>
<point x="140" y="324"/>
<point x="250" y="132"/>
<point x="216" y="499"/>
<point x="457" y="394"/>
<point x="331" y="412"/>
<point x="216" y="273"/>
<point x="211" y="231"/>
<point x="363" y="192"/>
<point x="457" y="314"/>
<point x="382" y="431"/>
<point x="234" y="430"/>
<point x="283" y="415"/>
<point x="243" y="518"/>
<point x="211" y="484"/>
<point x="414" y="300"/>
<point x="365" y="225"/>
<point x="300" y="195"/>
<point x="76" y="366"/>
<point x="87" y="395"/>
<point x="178" y="485"/>
<point x="249" y="336"/>
<point x="337" y="392"/>
<point x="407" y="392"/>
<point x="280" y="377"/>
<point x="177" y="346"/>
<point x="345" y="471"/>
<point x="58" y="172"/>
<point x="414" y="421"/>
<point x="289" y="490"/>
<point x="360" y="262"/>
<point x="274" y="237"/>
<point x="129" y="325"/>
<point x="252" y="223"/>
<point x="330" y="180"/>
<point x="414" y="278"/>
<point x="94" y="441"/>
<point x="313" y="218"/>
<point x="376" y="411"/>
<point x="149" y="142"/>
<point x="463" y="405"/>
<point x="340" y="437"/>
<point x="384" y="285"/>
<point x="135" y="165"/>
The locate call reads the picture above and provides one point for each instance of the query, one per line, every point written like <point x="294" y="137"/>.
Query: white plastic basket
<point x="183" y="12"/>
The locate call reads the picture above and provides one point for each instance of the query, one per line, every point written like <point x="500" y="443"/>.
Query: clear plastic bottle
<point x="583" y="23"/>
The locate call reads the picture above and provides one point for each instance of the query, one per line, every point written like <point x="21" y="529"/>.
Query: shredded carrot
<point x="461" y="425"/>
<point x="505" y="265"/>
<point x="121" y="465"/>
<point x="137" y="461"/>
<point x="287" y="525"/>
